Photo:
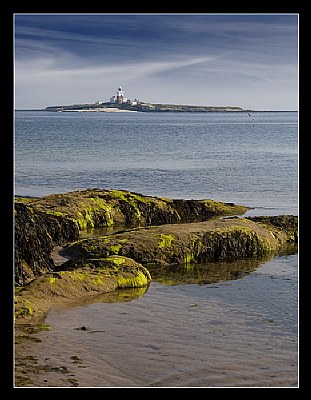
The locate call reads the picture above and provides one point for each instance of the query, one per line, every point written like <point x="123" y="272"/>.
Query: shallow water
<point x="234" y="333"/>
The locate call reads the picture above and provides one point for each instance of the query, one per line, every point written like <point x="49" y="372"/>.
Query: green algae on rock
<point x="87" y="278"/>
<point x="103" y="208"/>
<point x="215" y="240"/>
<point x="41" y="223"/>
<point x="119" y="260"/>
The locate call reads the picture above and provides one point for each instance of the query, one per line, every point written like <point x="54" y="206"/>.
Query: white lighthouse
<point x="119" y="98"/>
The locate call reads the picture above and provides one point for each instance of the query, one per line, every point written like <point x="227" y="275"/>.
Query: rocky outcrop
<point x="40" y="223"/>
<point x="225" y="239"/>
<point x="92" y="278"/>
<point x="285" y="223"/>
<point x="36" y="233"/>
<point x="104" y="208"/>
<point x="168" y="233"/>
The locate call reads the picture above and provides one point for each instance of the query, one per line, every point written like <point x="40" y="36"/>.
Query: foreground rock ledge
<point x="100" y="276"/>
<point x="120" y="260"/>
<point x="225" y="239"/>
<point x="41" y="223"/>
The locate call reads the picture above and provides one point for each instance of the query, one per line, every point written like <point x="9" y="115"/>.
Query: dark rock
<point x="36" y="233"/>
<point x="103" y="208"/>
<point x="286" y="223"/>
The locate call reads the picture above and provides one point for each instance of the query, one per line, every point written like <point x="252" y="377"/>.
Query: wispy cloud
<point x="50" y="67"/>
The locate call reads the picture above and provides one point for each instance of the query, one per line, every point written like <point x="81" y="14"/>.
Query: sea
<point x="239" y="332"/>
<point x="231" y="157"/>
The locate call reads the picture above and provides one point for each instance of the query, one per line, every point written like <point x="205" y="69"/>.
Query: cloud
<point x="50" y="67"/>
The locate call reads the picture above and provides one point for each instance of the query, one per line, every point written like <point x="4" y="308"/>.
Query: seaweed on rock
<point x="190" y="234"/>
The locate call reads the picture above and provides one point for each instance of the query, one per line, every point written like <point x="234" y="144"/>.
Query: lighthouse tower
<point x="120" y="96"/>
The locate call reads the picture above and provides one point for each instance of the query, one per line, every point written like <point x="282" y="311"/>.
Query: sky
<point x="245" y="60"/>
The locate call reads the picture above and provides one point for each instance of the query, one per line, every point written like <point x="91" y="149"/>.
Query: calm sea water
<point x="232" y="157"/>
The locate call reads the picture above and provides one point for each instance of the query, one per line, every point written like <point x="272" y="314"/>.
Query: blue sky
<point x="246" y="60"/>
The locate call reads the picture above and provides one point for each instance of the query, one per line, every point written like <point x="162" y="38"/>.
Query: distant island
<point x="120" y="103"/>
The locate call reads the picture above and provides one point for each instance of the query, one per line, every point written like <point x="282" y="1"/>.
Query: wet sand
<point x="239" y="333"/>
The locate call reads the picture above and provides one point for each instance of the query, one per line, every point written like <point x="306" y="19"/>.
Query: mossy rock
<point x="85" y="278"/>
<point x="285" y="223"/>
<point x="104" y="208"/>
<point x="41" y="223"/>
<point x="215" y="240"/>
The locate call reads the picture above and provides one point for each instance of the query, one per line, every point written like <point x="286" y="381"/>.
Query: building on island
<point x="121" y="99"/>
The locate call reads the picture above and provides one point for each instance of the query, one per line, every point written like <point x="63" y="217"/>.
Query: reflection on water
<point x="211" y="272"/>
<point x="117" y="296"/>
<point x="206" y="273"/>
